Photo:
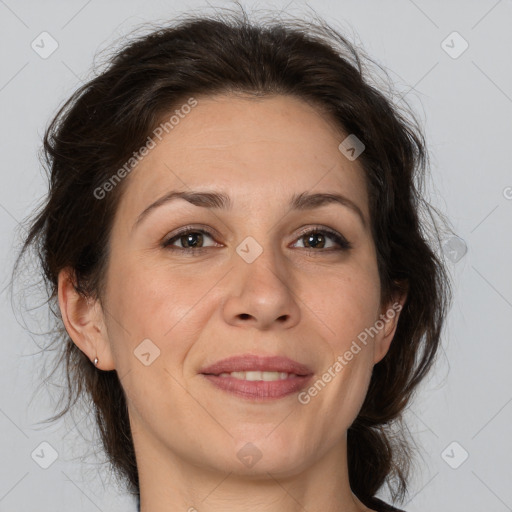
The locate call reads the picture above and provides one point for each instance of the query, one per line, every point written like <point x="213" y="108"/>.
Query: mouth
<point x="258" y="378"/>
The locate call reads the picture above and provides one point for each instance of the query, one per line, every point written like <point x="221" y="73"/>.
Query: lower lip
<point x="259" y="389"/>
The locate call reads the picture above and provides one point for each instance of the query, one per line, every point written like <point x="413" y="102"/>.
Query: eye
<point x="191" y="240"/>
<point x="316" y="238"/>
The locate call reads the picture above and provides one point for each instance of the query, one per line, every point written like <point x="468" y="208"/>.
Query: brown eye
<point x="315" y="240"/>
<point x="318" y="238"/>
<point x="189" y="239"/>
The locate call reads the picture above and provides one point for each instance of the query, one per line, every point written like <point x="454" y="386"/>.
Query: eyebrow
<point x="221" y="201"/>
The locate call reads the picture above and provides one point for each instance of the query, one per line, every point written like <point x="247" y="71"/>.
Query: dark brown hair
<point x="97" y="130"/>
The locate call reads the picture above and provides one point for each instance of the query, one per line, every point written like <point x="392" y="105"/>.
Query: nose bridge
<point x="261" y="260"/>
<point x="260" y="246"/>
<point x="264" y="292"/>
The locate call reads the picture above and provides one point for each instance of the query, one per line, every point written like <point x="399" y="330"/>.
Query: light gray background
<point x="465" y="104"/>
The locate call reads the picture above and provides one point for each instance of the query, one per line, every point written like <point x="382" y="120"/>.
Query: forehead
<point x="253" y="149"/>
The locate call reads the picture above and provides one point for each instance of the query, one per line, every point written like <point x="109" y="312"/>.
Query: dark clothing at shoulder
<point x="381" y="506"/>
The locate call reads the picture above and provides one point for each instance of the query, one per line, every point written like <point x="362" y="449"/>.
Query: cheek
<point x="348" y="311"/>
<point x="349" y="305"/>
<point x="157" y="303"/>
<point x="338" y="393"/>
<point x="145" y="297"/>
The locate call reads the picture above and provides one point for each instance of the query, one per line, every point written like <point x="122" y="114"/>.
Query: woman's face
<point x="254" y="284"/>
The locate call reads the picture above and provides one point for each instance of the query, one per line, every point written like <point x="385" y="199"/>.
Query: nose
<point x="261" y="294"/>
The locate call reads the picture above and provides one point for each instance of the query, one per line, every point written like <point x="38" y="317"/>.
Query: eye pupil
<point x="312" y="237"/>
<point x="190" y="236"/>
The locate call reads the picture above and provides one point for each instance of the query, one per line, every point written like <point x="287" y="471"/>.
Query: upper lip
<point x="249" y="362"/>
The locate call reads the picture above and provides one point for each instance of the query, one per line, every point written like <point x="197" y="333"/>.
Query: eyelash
<point x="344" y="244"/>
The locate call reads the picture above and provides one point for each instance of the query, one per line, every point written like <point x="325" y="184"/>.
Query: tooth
<point x="271" y="376"/>
<point x="238" y="375"/>
<point x="253" y="376"/>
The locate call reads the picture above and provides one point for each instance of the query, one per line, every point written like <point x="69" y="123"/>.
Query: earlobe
<point x="83" y="320"/>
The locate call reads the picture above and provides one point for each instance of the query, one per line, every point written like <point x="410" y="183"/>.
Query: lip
<point x="259" y="390"/>
<point x="250" y="362"/>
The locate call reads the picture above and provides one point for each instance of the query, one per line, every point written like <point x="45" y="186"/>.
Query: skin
<point x="197" y="309"/>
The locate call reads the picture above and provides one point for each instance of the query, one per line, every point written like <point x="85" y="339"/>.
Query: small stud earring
<point x="95" y="361"/>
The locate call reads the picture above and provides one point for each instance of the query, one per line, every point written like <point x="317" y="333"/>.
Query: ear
<point x="389" y="317"/>
<point x="84" y="321"/>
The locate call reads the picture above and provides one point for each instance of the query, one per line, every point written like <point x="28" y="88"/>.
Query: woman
<point x="245" y="289"/>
